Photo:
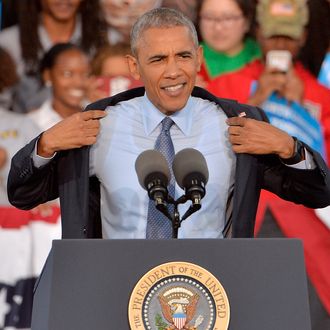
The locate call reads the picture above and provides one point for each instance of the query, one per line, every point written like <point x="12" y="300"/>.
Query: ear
<point x="199" y="57"/>
<point x="133" y="67"/>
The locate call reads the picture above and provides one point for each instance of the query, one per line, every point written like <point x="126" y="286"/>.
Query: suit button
<point x="85" y="231"/>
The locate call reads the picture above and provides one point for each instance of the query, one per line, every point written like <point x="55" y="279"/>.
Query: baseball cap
<point x="282" y="17"/>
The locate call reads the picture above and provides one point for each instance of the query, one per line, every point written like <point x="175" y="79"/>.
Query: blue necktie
<point x="158" y="226"/>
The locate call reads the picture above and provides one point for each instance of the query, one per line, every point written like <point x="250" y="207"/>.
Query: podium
<point x="87" y="284"/>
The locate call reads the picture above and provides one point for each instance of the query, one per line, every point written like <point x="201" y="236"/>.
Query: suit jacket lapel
<point x="244" y="164"/>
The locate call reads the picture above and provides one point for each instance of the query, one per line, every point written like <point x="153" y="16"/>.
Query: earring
<point x="48" y="83"/>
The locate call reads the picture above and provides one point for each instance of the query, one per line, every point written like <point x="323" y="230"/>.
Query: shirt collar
<point x="152" y="116"/>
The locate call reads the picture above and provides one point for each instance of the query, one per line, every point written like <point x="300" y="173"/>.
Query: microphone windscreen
<point x="188" y="161"/>
<point x="151" y="162"/>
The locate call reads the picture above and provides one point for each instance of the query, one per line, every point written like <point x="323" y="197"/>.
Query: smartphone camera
<point x="279" y="60"/>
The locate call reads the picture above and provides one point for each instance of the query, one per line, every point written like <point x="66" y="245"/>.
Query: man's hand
<point x="78" y="130"/>
<point x="259" y="138"/>
<point x="3" y="157"/>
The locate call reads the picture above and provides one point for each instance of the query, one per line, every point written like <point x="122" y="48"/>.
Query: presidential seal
<point x="178" y="295"/>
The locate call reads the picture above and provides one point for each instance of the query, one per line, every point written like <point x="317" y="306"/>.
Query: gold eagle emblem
<point x="178" y="305"/>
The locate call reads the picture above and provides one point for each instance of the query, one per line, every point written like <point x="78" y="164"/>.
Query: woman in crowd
<point x="225" y="32"/>
<point x="65" y="69"/>
<point x="16" y="130"/>
<point x="120" y="16"/>
<point x="43" y="23"/>
<point x="8" y="79"/>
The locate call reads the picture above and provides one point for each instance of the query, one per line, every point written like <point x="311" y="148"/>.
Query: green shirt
<point x="218" y="63"/>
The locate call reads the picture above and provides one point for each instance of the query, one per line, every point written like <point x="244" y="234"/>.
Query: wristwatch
<point x="299" y="153"/>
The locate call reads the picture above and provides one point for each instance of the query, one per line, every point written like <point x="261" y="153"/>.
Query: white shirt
<point x="10" y="41"/>
<point x="132" y="127"/>
<point x="45" y="117"/>
<point x="16" y="130"/>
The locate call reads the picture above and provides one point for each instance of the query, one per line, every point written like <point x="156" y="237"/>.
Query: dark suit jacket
<point x="67" y="176"/>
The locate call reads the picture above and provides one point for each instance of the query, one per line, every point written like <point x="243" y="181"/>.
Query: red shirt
<point x="237" y="86"/>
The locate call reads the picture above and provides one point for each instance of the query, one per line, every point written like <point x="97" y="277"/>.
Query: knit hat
<point x="282" y="17"/>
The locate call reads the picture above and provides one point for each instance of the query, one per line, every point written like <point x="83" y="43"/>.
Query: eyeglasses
<point x="225" y="21"/>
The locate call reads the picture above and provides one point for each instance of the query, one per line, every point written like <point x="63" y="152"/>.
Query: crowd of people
<point x="58" y="56"/>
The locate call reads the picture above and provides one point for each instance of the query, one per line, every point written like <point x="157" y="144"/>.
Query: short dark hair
<point x="8" y="74"/>
<point x="50" y="57"/>
<point x="160" y="18"/>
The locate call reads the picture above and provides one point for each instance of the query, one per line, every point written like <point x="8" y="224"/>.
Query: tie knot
<point x="167" y="122"/>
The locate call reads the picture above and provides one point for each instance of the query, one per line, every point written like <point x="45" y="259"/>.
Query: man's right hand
<point x="78" y="130"/>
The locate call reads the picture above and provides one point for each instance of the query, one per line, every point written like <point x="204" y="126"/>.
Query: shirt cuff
<point x="39" y="161"/>
<point x="306" y="164"/>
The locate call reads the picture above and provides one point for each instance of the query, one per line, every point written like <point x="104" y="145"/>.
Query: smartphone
<point x="117" y="84"/>
<point x="280" y="60"/>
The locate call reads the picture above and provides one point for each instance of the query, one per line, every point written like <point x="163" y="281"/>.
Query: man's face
<point x="281" y="43"/>
<point x="167" y="63"/>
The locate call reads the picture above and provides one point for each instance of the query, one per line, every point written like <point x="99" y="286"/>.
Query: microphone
<point x="153" y="175"/>
<point x="191" y="173"/>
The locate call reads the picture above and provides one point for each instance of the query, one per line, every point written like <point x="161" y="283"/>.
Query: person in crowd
<point x="315" y="54"/>
<point x="111" y="61"/>
<point x="225" y="28"/>
<point x="48" y="22"/>
<point x="9" y="79"/>
<point x="88" y="159"/>
<point x="16" y="130"/>
<point x="110" y="69"/>
<point x="187" y="7"/>
<point x="121" y="15"/>
<point x="291" y="97"/>
<point x="66" y="69"/>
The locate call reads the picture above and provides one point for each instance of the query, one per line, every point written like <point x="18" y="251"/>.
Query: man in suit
<point x="88" y="159"/>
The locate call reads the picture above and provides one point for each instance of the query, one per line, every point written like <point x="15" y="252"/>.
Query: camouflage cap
<point x="282" y="17"/>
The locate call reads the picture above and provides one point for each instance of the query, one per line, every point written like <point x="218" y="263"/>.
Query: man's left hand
<point x="258" y="137"/>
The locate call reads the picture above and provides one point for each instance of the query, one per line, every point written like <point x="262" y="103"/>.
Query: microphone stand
<point x="175" y="218"/>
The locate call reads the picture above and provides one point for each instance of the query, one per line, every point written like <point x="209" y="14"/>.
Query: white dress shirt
<point x="132" y="127"/>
